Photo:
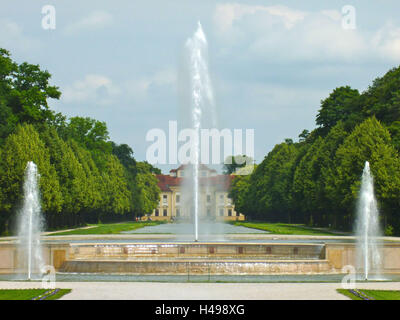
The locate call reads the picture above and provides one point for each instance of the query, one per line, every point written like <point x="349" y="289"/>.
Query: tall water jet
<point x="201" y="107"/>
<point x="368" y="228"/>
<point x="30" y="224"/>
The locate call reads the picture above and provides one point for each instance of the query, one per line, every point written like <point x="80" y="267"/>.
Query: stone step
<point x="271" y="251"/>
<point x="166" y="257"/>
<point x="191" y="266"/>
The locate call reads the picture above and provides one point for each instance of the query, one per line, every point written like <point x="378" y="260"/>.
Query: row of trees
<point x="84" y="177"/>
<point x="317" y="179"/>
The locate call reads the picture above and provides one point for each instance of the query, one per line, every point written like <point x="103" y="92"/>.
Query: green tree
<point x="311" y="174"/>
<point x="92" y="180"/>
<point x="305" y="181"/>
<point x="369" y="141"/>
<point x="340" y="105"/>
<point x="382" y="99"/>
<point x="239" y="192"/>
<point x="116" y="190"/>
<point x="25" y="89"/>
<point x="270" y="184"/>
<point x="146" y="193"/>
<point x="70" y="172"/>
<point x="20" y="148"/>
<point x="87" y="132"/>
<point x="232" y="163"/>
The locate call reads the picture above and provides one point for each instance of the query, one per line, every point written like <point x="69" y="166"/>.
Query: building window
<point x="229" y="212"/>
<point x="178" y="198"/>
<point x="208" y="212"/>
<point x="156" y="213"/>
<point x="204" y="174"/>
<point x="182" y="173"/>
<point x="221" y="212"/>
<point x="178" y="212"/>
<point x="237" y="214"/>
<point x="221" y="198"/>
<point x="165" y="212"/>
<point x="208" y="198"/>
<point x="165" y="199"/>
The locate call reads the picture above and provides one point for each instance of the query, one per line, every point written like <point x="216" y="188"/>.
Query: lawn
<point x="364" y="294"/>
<point x="32" y="294"/>
<point x="108" y="228"/>
<point x="285" y="228"/>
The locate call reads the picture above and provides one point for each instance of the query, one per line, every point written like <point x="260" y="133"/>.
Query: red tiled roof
<point x="201" y="167"/>
<point x="221" y="182"/>
<point x="165" y="181"/>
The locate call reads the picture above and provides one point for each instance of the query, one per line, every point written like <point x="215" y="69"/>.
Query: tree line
<point x="84" y="176"/>
<point x="316" y="180"/>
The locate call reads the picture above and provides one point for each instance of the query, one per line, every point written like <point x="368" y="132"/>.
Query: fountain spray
<point x="201" y="99"/>
<point x="30" y="224"/>
<point x="367" y="226"/>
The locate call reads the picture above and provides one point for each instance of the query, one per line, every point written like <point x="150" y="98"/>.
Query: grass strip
<point x="108" y="228"/>
<point x="284" y="228"/>
<point x="32" y="294"/>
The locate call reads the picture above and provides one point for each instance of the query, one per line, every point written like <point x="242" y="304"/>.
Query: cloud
<point x="13" y="38"/>
<point x="101" y="90"/>
<point x="95" y="20"/>
<point x="387" y="42"/>
<point x="284" y="34"/>
<point x="93" y="88"/>
<point x="141" y="87"/>
<point x="333" y="14"/>
<point x="226" y="14"/>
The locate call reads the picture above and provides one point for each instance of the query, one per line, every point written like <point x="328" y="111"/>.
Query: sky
<point x="270" y="62"/>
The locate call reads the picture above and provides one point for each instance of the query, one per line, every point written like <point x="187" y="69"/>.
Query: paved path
<point x="205" y="228"/>
<point x="201" y="291"/>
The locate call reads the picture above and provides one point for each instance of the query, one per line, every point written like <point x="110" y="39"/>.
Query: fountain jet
<point x="201" y="103"/>
<point x="367" y="227"/>
<point x="30" y="224"/>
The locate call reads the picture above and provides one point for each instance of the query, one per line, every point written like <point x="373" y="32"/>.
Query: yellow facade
<point x="213" y="199"/>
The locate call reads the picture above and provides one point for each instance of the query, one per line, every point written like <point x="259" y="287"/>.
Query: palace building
<point x="176" y="204"/>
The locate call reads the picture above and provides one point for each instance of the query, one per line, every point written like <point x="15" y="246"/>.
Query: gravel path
<point x="201" y="291"/>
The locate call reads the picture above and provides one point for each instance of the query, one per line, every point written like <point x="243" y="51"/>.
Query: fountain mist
<point x="367" y="227"/>
<point x="201" y="103"/>
<point x="30" y="224"/>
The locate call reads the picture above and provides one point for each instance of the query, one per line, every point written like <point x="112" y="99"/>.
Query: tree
<point x="304" y="135"/>
<point x="8" y="120"/>
<point x="270" y="184"/>
<point x="69" y="171"/>
<point x="90" y="134"/>
<point x="146" y="193"/>
<point x="29" y="94"/>
<point x="311" y="174"/>
<point x="338" y="106"/>
<point x="116" y="191"/>
<point x="151" y="168"/>
<point x="232" y="163"/>
<point x="382" y="99"/>
<point x="239" y="192"/>
<point x="92" y="180"/>
<point x="20" y="148"/>
<point x="24" y="89"/>
<point x="305" y="179"/>
<point x="141" y="181"/>
<point x="124" y="153"/>
<point x="369" y="141"/>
